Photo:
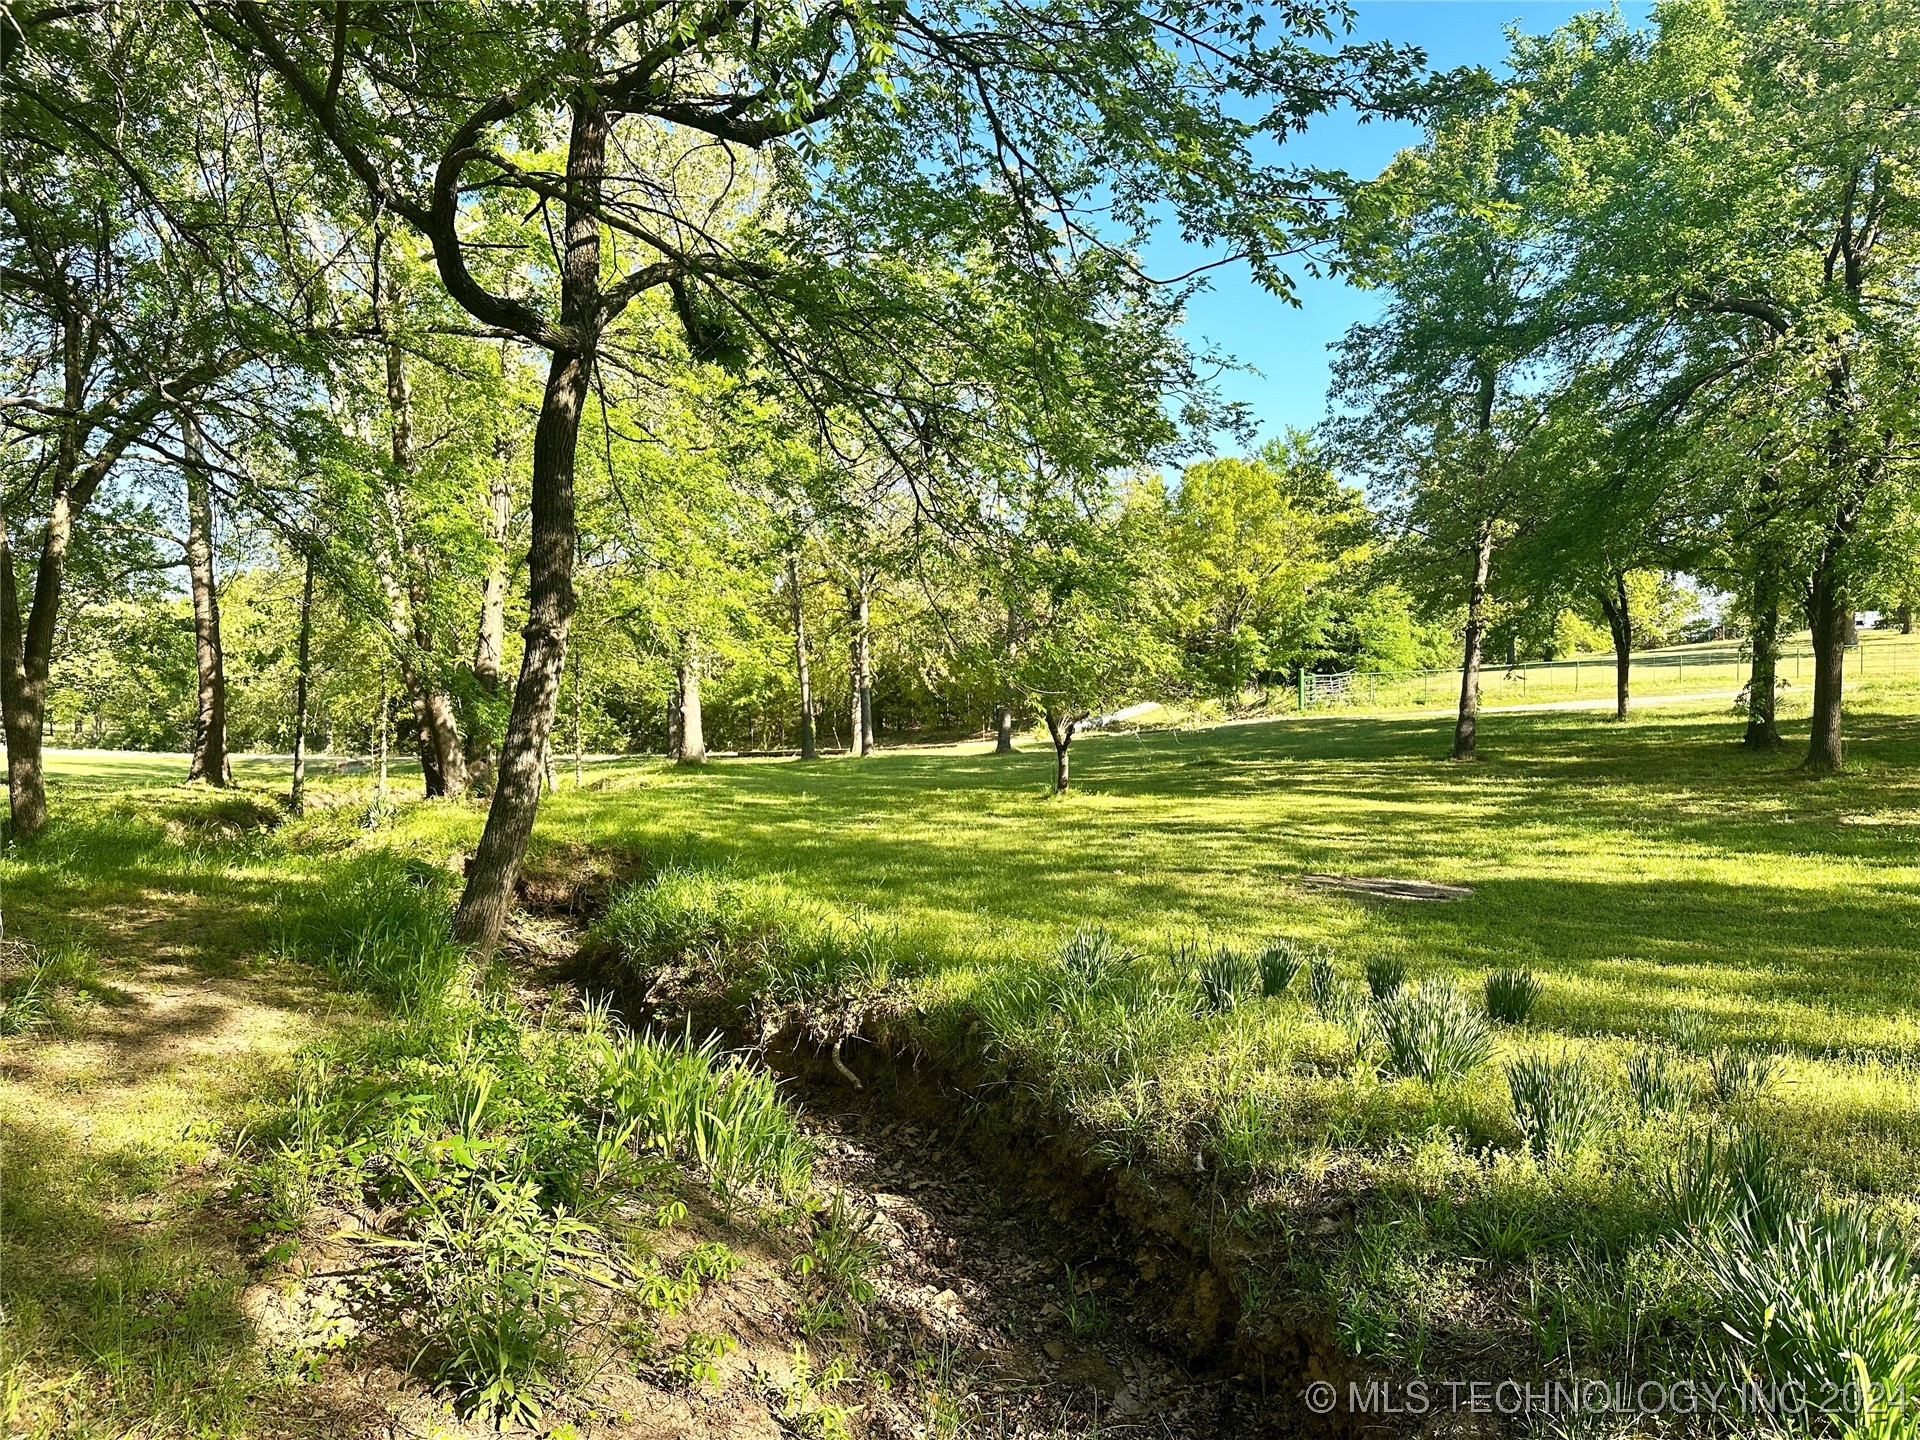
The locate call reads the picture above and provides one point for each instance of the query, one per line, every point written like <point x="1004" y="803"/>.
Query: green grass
<point x="1667" y="888"/>
<point x="1723" y="945"/>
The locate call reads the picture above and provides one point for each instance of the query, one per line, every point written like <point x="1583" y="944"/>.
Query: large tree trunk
<point x="1466" y="726"/>
<point x="1003" y="730"/>
<point x="803" y="674"/>
<point x="297" y="801"/>
<point x="1061" y="729"/>
<point x="550" y="552"/>
<point x="209" y="759"/>
<point x="1613" y="604"/>
<point x="693" y="734"/>
<point x="1827" y="615"/>
<point x="1762" y="683"/>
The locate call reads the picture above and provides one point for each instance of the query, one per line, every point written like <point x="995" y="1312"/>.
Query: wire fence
<point x="1717" y="668"/>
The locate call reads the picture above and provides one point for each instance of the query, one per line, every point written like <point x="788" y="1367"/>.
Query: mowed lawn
<point x="1640" y="868"/>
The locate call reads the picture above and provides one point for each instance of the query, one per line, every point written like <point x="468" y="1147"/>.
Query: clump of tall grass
<point x="1385" y="974"/>
<point x="1279" y="963"/>
<point x="1734" y="1075"/>
<point x="36" y="985"/>
<point x="1558" y="1102"/>
<point x="1227" y="977"/>
<point x="1816" y="1302"/>
<point x="1432" y="1033"/>
<point x="384" y="928"/>
<point x="690" y="1103"/>
<point x="1093" y="955"/>
<point x="1657" y="1085"/>
<point x="1510" y="995"/>
<point x="1323" y="984"/>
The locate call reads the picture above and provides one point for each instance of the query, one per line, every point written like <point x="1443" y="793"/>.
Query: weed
<point x="689" y="1103"/>
<point x="696" y="1361"/>
<point x="837" y="1268"/>
<point x="1719" y="1180"/>
<point x="1092" y="956"/>
<point x="1735" y="1075"/>
<point x="1658" y="1087"/>
<point x="1279" y="963"/>
<point x="1385" y="974"/>
<point x="1228" y="977"/>
<point x="802" y="1403"/>
<point x="383" y="928"/>
<point x="1429" y="1031"/>
<point x="1510" y="995"/>
<point x="1323" y="984"/>
<point x="1558" y="1102"/>
<point x="1086" y="1313"/>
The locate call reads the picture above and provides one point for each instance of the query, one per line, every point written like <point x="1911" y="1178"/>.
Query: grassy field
<point x="1724" y="1042"/>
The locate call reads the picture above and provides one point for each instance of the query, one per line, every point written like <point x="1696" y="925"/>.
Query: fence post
<point x="1303" y="689"/>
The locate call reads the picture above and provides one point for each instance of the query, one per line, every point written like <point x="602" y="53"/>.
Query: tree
<point x="1438" y="411"/>
<point x="922" y="132"/>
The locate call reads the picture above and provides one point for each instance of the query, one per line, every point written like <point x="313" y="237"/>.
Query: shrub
<point x="1385" y="974"/>
<point x="1228" y="977"/>
<point x="1430" y="1031"/>
<point x="1510" y="995"/>
<point x="1738" y="1075"/>
<point x="1279" y="963"/>
<point x="385" y="929"/>
<point x="1657" y="1085"/>
<point x="1558" y="1102"/>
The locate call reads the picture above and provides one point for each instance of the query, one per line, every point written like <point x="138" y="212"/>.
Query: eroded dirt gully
<point x="1056" y="1295"/>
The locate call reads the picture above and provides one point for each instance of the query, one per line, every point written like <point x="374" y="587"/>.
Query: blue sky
<point x="1288" y="345"/>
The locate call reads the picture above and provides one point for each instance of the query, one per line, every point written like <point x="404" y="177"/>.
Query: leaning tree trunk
<point x="1762" y="731"/>
<point x="1613" y="604"/>
<point x="550" y="551"/>
<point x="1466" y="726"/>
<point x="1827" y="617"/>
<point x="693" y="733"/>
<point x="802" y="671"/>
<point x="1061" y="729"/>
<point x="209" y="760"/>
<point x="297" y="801"/>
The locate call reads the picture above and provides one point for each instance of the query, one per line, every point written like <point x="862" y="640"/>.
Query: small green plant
<point x="836" y="1270"/>
<point x="803" y="1405"/>
<point x="1558" y="1102"/>
<point x="1430" y="1032"/>
<point x="1087" y="1315"/>
<point x="1092" y="955"/>
<point x="1279" y="963"/>
<point x="696" y="1361"/>
<point x="1657" y="1085"/>
<point x="1323" y="984"/>
<point x="1385" y="974"/>
<point x="1734" y="1075"/>
<point x="1228" y="977"/>
<point x="1510" y="995"/>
